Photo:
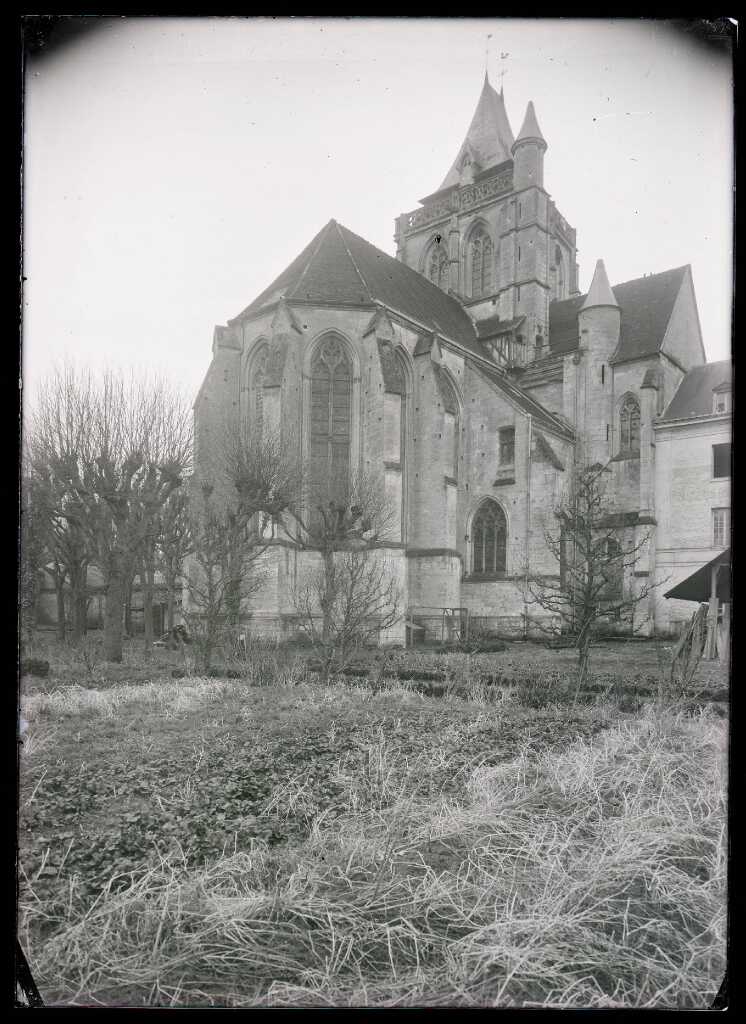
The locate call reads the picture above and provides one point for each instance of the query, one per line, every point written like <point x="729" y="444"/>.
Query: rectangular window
<point x="720" y="401"/>
<point x="519" y="254"/>
<point x="507" y="446"/>
<point x="720" y="527"/>
<point x="721" y="460"/>
<point x="603" y="374"/>
<point x="518" y="293"/>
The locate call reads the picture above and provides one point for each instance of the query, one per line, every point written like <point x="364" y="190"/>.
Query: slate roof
<point x="693" y="396"/>
<point x="491" y="326"/>
<point x="489" y="137"/>
<point x="646" y="305"/>
<point x="340" y="268"/>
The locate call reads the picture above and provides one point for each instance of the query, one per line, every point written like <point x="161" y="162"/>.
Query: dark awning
<point x="697" y="586"/>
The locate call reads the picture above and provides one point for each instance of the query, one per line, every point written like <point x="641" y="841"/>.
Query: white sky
<point x="173" y="167"/>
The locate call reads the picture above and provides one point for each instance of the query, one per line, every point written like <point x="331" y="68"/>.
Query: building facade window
<point x="480" y="264"/>
<point x="721" y="401"/>
<point x="721" y="461"/>
<point x="436" y="266"/>
<point x="507" y="446"/>
<point x="331" y="411"/>
<point x="629" y="426"/>
<point x="489" y="540"/>
<point x="720" y="527"/>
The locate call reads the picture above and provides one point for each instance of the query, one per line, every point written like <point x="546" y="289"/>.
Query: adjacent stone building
<point x="466" y="374"/>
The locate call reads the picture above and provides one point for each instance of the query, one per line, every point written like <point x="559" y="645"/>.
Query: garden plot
<point x="205" y="842"/>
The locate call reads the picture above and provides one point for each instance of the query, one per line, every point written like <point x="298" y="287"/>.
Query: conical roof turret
<point x="489" y="138"/>
<point x="600" y="292"/>
<point x="530" y="128"/>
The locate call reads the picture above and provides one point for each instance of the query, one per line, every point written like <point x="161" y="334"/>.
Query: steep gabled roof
<point x="489" y="137"/>
<point x="693" y="396"/>
<point x="646" y="305"/>
<point x="340" y="268"/>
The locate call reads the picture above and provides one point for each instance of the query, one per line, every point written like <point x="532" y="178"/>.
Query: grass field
<point x="265" y="841"/>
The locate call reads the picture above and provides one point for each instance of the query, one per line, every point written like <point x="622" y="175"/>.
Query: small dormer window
<point x="721" y="401"/>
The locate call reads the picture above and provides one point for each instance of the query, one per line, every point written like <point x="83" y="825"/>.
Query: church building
<point x="468" y="374"/>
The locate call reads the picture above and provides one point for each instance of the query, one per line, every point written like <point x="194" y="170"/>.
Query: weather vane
<point x="503" y="72"/>
<point x="487" y="53"/>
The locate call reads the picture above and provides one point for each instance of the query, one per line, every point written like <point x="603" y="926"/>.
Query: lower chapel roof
<point x="645" y="304"/>
<point x="339" y="268"/>
<point x="693" y="396"/>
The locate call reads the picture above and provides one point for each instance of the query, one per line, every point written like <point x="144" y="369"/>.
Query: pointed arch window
<point x="489" y="532"/>
<point x="629" y="426"/>
<point x="257" y="382"/>
<point x="331" y="411"/>
<point x="436" y="266"/>
<point x="481" y="255"/>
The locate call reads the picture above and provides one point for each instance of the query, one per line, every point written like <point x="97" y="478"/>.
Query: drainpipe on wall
<point x="528" y="525"/>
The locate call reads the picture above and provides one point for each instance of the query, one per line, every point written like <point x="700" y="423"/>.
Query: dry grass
<point x="592" y="876"/>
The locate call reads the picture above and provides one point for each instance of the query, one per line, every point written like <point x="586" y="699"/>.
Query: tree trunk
<point x="584" y="643"/>
<point x="113" y="615"/>
<point x="127" y="585"/>
<point x="80" y="611"/>
<point x="148" y="581"/>
<point x="79" y="602"/>
<point x="171" y="585"/>
<point x="327" y="626"/>
<point x="59" y="590"/>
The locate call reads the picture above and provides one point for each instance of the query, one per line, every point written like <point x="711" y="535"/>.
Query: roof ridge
<point x="646" y="277"/>
<point x="321" y="236"/>
<point x="341" y="229"/>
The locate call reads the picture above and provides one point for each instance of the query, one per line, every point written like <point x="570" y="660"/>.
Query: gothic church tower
<point x="491" y="235"/>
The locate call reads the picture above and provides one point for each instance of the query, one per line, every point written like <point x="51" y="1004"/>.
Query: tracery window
<point x="437" y="265"/>
<point x="331" y="411"/>
<point x="629" y="426"/>
<point x="489" y="532"/>
<point x="481" y="258"/>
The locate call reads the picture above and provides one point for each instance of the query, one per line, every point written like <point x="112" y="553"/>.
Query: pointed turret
<point x="600" y="292"/>
<point x="599" y="330"/>
<point x="530" y="128"/>
<point x="528" y="152"/>
<point x="489" y="138"/>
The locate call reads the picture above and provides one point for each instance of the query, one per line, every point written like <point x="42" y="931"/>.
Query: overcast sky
<point x="173" y="167"/>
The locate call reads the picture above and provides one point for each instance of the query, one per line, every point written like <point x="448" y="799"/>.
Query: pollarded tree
<point x="595" y="562"/>
<point x="175" y="544"/>
<point x="116" y="447"/>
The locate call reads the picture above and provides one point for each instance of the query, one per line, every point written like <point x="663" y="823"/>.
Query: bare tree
<point x="594" y="560"/>
<point x="353" y="596"/>
<point x="56" y="540"/>
<point x="175" y="543"/>
<point x="116" y="447"/>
